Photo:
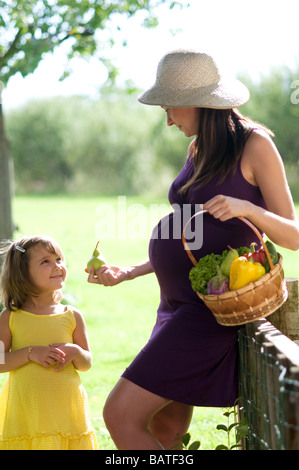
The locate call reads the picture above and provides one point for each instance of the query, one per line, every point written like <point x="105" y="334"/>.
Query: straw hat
<point x="192" y="79"/>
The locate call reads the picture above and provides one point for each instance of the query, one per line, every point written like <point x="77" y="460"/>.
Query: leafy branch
<point x="240" y="429"/>
<point x="30" y="29"/>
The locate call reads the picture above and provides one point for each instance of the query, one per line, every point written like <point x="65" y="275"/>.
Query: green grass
<point x="119" y="319"/>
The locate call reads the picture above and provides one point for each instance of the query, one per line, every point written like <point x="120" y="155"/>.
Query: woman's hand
<point x="109" y="275"/>
<point x="282" y="231"/>
<point x="113" y="275"/>
<point x="226" y="207"/>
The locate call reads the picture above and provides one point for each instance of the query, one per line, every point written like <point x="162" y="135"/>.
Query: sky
<point x="245" y="36"/>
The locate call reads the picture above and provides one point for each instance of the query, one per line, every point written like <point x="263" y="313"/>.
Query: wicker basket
<point x="256" y="300"/>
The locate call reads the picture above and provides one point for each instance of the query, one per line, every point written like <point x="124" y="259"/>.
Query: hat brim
<point x="226" y="94"/>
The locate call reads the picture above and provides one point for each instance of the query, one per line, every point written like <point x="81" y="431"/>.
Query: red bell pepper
<point x="257" y="256"/>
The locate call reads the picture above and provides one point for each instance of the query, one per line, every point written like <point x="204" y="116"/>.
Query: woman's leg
<point x="139" y="419"/>
<point x="171" y="423"/>
<point x="127" y="414"/>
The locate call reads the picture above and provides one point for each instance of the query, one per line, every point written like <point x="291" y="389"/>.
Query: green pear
<point x="225" y="266"/>
<point x="97" y="260"/>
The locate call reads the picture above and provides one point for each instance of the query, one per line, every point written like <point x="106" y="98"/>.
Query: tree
<point x="5" y="177"/>
<point x="31" y="28"/>
<point x="39" y="144"/>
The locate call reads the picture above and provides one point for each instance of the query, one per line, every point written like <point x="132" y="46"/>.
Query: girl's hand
<point x="108" y="275"/>
<point x="46" y="355"/>
<point x="226" y="207"/>
<point x="69" y="350"/>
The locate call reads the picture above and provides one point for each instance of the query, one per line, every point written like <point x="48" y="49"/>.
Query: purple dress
<point x="190" y="358"/>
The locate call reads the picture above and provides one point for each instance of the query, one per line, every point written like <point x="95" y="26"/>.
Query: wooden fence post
<point x="286" y="318"/>
<point x="295" y="377"/>
<point x="269" y="377"/>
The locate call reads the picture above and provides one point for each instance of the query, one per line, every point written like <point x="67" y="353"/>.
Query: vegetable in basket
<point x="243" y="271"/>
<point x="225" y="266"/>
<point x="206" y="268"/>
<point x="218" y="284"/>
<point x="273" y="254"/>
<point x="261" y="257"/>
<point x="257" y="256"/>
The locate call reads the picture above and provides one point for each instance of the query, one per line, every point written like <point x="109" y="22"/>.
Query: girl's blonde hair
<point x="15" y="283"/>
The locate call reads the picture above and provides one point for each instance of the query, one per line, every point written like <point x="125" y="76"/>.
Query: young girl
<point x="43" y="405"/>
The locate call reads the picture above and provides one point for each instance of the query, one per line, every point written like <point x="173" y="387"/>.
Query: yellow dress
<point x="41" y="409"/>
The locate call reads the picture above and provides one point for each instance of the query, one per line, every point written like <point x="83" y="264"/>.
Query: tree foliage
<point x="31" y="28"/>
<point x="114" y="145"/>
<point x="272" y="103"/>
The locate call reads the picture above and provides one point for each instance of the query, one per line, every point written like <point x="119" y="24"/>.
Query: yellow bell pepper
<point x="243" y="271"/>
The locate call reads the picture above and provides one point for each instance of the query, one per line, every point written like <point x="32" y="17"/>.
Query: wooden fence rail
<point x="269" y="377"/>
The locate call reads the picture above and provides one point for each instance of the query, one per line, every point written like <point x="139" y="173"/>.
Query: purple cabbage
<point x="218" y="284"/>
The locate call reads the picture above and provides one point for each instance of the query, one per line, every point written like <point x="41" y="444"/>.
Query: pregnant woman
<point x="233" y="169"/>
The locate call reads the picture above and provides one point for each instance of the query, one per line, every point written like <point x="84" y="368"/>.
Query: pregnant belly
<point x="206" y="235"/>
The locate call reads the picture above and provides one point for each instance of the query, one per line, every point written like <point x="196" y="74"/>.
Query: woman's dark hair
<point x="220" y="141"/>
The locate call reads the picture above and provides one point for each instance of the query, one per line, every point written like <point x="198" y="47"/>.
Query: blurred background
<point x="70" y="102"/>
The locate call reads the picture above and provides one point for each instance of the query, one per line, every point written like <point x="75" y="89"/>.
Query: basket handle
<point x="246" y="221"/>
